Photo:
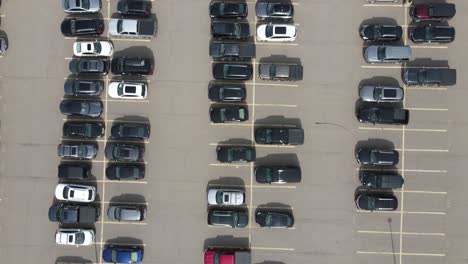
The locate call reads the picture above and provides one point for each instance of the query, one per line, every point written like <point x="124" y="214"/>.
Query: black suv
<point x="124" y="152"/>
<point x="376" y="202"/>
<point x="130" y="130"/>
<point x="232" y="71"/>
<point x="231" y="154"/>
<point x="93" y="66"/>
<point x="83" y="129"/>
<point x="226" y="93"/>
<point x="83" y="87"/>
<point x="377" y="157"/>
<point x="376" y="32"/>
<point x="132" y="66"/>
<point x="430" y="77"/>
<point x="72" y="27"/>
<point x="277" y="174"/>
<point x="224" y="114"/>
<point x="125" y="172"/>
<point x="81" y="108"/>
<point x="430" y="34"/>
<point x="74" y="171"/>
<point x="230" y="30"/>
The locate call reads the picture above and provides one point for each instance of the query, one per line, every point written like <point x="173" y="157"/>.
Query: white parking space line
<point x="427" y="47"/>
<point x="397" y="233"/>
<point x="400" y="253"/>
<point x="123" y="244"/>
<point x="425" y="88"/>
<point x="130" y="39"/>
<point x="399" y="67"/>
<point x="121" y="223"/>
<point x="401" y="129"/>
<point x="273" y="248"/>
<point x="423" y="150"/>
<point x="276" y="44"/>
<point x="402" y="212"/>
<point x="229" y="165"/>
<point x="382" y="5"/>
<point x="427" y="109"/>
<point x="110" y="100"/>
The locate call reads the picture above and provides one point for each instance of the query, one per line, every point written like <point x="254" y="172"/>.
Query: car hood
<point x="366" y="93"/>
<point x="212" y="196"/>
<point x="68" y="87"/>
<point x="215" y="115"/>
<point x="261" y="9"/>
<point x="106" y="48"/>
<point x="95" y="108"/>
<point x="113" y="87"/>
<point x="261" y="32"/>
<point x="244" y="30"/>
<point x="371" y="54"/>
<point x="53" y="210"/>
<point x="59" y="191"/>
<point x="363" y="155"/>
<point x="243" y="219"/>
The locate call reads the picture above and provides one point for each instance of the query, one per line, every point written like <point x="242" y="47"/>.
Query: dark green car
<point x="232" y="219"/>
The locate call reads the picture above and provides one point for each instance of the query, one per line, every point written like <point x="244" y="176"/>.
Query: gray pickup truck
<point x="279" y="136"/>
<point x="132" y="28"/>
<point x="280" y="72"/>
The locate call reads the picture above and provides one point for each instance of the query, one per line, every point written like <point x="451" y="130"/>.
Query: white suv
<point x="75" y="193"/>
<point x="226" y="197"/>
<point x="93" y="49"/>
<point x="74" y="237"/>
<point x="276" y="32"/>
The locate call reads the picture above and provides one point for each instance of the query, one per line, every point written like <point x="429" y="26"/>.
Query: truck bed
<point x="147" y="27"/>
<point x="295" y="72"/>
<point x="296" y="136"/>
<point x="88" y="215"/>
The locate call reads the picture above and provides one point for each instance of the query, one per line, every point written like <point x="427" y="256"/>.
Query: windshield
<point x="84" y="3"/>
<point x="429" y="32"/>
<point x="371" y="203"/>
<point x="120" y="89"/>
<point x="268" y="175"/>
<point x="97" y="47"/>
<point x="79" y="238"/>
<point x="219" y="197"/>
<point x="373" y="157"/>
<point x="241" y="113"/>
<point x="269" y="31"/>
<point x="268" y="135"/>
<point x="381" y="53"/>
<point x="65" y="192"/>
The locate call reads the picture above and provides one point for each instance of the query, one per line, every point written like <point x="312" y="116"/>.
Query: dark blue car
<point x="122" y="254"/>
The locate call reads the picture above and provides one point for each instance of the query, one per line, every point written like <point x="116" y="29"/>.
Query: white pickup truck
<point x="132" y="28"/>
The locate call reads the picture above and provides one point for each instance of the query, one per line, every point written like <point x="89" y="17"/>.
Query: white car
<point x="128" y="90"/>
<point x="74" y="237"/>
<point x="276" y="32"/>
<point x="226" y="197"/>
<point x="75" y="193"/>
<point x="93" y="49"/>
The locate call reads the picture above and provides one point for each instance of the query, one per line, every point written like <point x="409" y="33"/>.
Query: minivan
<point x="387" y="54"/>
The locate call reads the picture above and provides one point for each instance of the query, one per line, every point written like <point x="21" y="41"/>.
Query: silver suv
<point x="387" y="54"/>
<point x="381" y="94"/>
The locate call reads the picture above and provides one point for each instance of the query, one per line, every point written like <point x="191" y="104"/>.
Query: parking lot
<point x="180" y="157"/>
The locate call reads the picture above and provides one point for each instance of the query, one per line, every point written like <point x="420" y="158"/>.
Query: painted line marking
<point x="423" y="150"/>
<point x="399" y="67"/>
<point x="266" y="186"/>
<point x="253" y="144"/>
<point x="397" y="233"/>
<point x="104" y="161"/>
<point x="421" y="88"/>
<point x="400" y="253"/>
<point x="403" y="212"/>
<point x="276" y="44"/>
<point x="427" y="109"/>
<point x="427" y="47"/>
<point x="406" y="170"/>
<point x="401" y="129"/>
<point x="273" y="248"/>
<point x="229" y="165"/>
<point x="121" y="223"/>
<point x="381" y="5"/>
<point x="109" y="100"/>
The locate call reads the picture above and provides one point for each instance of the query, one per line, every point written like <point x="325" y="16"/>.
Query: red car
<point x="432" y="12"/>
<point x="227" y="256"/>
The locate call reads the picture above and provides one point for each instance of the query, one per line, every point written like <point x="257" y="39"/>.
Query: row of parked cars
<point x="381" y="104"/>
<point x="227" y="207"/>
<point x="75" y="210"/>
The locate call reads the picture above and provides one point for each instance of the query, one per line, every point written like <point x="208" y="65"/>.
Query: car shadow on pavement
<point x="226" y="241"/>
<point x="270" y="262"/>
<point x="136" y="51"/>
<point x="71" y="259"/>
<point x="128" y="198"/>
<point x="278" y="121"/>
<point x="275" y="58"/>
<point x="125" y="241"/>
<point x="235" y="183"/>
<point x="283" y="159"/>
<point x="275" y="207"/>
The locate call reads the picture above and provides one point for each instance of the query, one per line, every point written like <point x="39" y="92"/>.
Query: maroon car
<point x="432" y="12"/>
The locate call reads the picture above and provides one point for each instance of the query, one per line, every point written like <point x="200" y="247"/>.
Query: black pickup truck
<point x="430" y="77"/>
<point x="280" y="72"/>
<point x="132" y="66"/>
<point x="432" y="12"/>
<point x="220" y="51"/>
<point x="73" y="214"/>
<point x="381" y="180"/>
<point x="279" y="136"/>
<point x="383" y="115"/>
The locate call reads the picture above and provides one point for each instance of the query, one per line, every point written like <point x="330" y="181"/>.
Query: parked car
<point x="3" y="44"/>
<point x="93" y="49"/>
<point x="89" y="66"/>
<point x="226" y="197"/>
<point x="377" y="157"/>
<point x="387" y="54"/>
<point x="75" y="193"/>
<point x="126" y="213"/>
<point x="232" y="71"/>
<point x="128" y="90"/>
<point x="380" y="32"/>
<point x="274" y="9"/>
<point x="74" y="171"/>
<point x="279" y="136"/>
<point x="65" y="213"/>
<point x="430" y="77"/>
<point x="83" y="87"/>
<point x="122" y="254"/>
<point x="381" y="180"/>
<point x="226" y="114"/>
<point x="132" y="28"/>
<point x="228" y="9"/>
<point x="125" y="172"/>
<point x="81" y="108"/>
<point x="74" y="237"/>
<point x="132" y="66"/>
<point x="77" y="151"/>
<point x="228" y="218"/>
<point x="280" y="72"/>
<point x="273" y="219"/>
<point x="227" y="93"/>
<point x="228" y="51"/>
<point x="130" y="130"/>
<point x="134" y="8"/>
<point x="381" y="94"/>
<point x="232" y="154"/>
<point x="230" y="30"/>
<point x="432" y="34"/>
<point x="382" y="115"/>
<point x="376" y="202"/>
<point x="432" y="12"/>
<point x="83" y="130"/>
<point x="124" y="152"/>
<point x="277" y="174"/>
<point x="81" y="6"/>
<point x="74" y="27"/>
<point x="276" y="32"/>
